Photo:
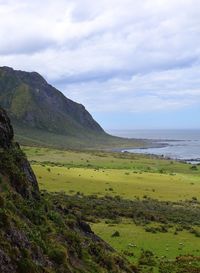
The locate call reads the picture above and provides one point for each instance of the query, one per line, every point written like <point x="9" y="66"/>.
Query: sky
<point x="134" y="64"/>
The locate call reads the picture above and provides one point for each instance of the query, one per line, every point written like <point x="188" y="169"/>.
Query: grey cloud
<point x="27" y="46"/>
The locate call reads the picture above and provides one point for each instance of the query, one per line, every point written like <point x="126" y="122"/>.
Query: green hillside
<point x="42" y="115"/>
<point x="31" y="101"/>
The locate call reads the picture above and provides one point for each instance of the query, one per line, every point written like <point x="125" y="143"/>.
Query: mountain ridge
<point x="31" y="101"/>
<point x="41" y="115"/>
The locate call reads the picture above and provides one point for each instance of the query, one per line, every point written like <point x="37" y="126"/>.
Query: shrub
<point x="4" y="219"/>
<point x="56" y="218"/>
<point x="25" y="265"/>
<point x="147" y="258"/>
<point x="1" y="201"/>
<point x="74" y="242"/>
<point x="194" y="168"/>
<point x="150" y="229"/>
<point x="115" y="234"/>
<point x="58" y="254"/>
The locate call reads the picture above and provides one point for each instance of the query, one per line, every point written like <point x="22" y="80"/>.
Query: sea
<point x="181" y="145"/>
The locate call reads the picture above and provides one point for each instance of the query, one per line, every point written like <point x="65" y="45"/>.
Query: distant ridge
<point x="31" y="101"/>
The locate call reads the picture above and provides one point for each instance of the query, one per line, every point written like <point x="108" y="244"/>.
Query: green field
<point x="103" y="173"/>
<point x="127" y="184"/>
<point x="132" y="177"/>
<point x="134" y="238"/>
<point x="107" y="160"/>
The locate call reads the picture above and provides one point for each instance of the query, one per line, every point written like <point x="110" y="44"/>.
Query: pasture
<point x="131" y="177"/>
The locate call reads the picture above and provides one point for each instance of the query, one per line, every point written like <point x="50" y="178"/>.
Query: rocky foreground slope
<point x="38" y="233"/>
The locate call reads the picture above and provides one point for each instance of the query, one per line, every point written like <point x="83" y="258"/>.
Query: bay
<point x="175" y="144"/>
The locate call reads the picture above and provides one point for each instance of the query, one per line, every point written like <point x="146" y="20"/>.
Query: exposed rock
<point x="30" y="177"/>
<point x="5" y="263"/>
<point x="6" y="130"/>
<point x="14" y="163"/>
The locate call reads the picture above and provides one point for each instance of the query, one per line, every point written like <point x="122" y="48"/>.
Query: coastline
<point x="157" y="144"/>
<point x="149" y="145"/>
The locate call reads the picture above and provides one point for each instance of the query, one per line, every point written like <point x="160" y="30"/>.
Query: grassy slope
<point x="86" y="139"/>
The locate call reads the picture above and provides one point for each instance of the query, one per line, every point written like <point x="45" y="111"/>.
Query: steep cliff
<point x="13" y="162"/>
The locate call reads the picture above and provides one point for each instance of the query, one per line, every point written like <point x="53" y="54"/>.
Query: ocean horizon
<point x="178" y="144"/>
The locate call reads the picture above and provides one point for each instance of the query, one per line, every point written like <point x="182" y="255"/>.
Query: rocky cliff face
<point x="6" y="130"/>
<point x="13" y="162"/>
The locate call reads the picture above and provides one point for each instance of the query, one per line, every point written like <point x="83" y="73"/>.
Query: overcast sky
<point x="132" y="63"/>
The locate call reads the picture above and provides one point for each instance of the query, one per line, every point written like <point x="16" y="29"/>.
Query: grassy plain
<point x="128" y="184"/>
<point x="131" y="177"/>
<point x="107" y="160"/>
<point x="101" y="173"/>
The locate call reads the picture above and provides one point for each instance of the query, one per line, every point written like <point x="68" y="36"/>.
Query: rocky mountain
<point x="38" y="233"/>
<point x="31" y="102"/>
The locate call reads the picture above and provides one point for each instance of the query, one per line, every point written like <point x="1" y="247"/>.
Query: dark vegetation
<point x="153" y="215"/>
<point x="36" y="236"/>
<point x="185" y="215"/>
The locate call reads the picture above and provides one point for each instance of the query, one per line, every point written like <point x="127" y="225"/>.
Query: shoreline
<point x="156" y="144"/>
<point x="150" y="144"/>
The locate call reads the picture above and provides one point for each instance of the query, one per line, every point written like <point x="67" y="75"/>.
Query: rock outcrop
<point x="14" y="163"/>
<point x="6" y="130"/>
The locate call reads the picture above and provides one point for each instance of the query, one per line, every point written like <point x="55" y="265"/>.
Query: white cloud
<point x="116" y="55"/>
<point x="167" y="90"/>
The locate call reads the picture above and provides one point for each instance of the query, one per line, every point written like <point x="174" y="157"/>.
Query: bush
<point x="194" y="168"/>
<point x="58" y="255"/>
<point x="25" y="265"/>
<point x="1" y="201"/>
<point x="115" y="234"/>
<point x="56" y="218"/>
<point x="147" y="258"/>
<point x="4" y="219"/>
